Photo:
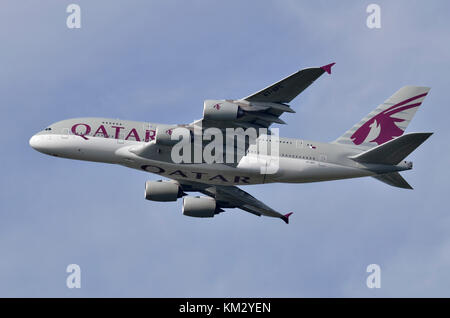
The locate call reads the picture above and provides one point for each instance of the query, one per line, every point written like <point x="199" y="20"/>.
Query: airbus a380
<point x="375" y="146"/>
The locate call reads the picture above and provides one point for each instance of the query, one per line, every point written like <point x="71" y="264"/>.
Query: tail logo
<point x="382" y="127"/>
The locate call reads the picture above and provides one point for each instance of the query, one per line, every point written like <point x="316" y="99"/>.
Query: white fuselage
<point x="110" y="141"/>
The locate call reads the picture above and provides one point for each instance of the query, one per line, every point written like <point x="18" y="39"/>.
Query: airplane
<point x="375" y="147"/>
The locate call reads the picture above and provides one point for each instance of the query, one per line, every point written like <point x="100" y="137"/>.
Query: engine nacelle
<point x="199" y="207"/>
<point x="221" y="110"/>
<point x="162" y="191"/>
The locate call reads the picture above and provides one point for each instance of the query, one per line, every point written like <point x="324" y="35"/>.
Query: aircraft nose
<point x="35" y="142"/>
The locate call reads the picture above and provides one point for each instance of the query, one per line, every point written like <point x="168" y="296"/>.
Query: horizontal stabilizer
<point x="394" y="179"/>
<point x="394" y="151"/>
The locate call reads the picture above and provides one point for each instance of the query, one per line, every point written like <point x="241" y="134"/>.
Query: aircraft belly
<point x="214" y="174"/>
<point x="301" y="171"/>
<point x="247" y="172"/>
<point x="289" y="171"/>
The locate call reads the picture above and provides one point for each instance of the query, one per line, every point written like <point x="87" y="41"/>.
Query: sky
<point x="157" y="61"/>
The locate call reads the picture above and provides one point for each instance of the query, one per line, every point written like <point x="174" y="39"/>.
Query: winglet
<point x="285" y="217"/>
<point x="327" y="68"/>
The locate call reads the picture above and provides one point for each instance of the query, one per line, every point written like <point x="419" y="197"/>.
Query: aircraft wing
<point x="233" y="197"/>
<point x="287" y="89"/>
<point x="262" y="108"/>
<point x="258" y="110"/>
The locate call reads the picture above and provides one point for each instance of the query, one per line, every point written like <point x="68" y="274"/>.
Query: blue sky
<point x="157" y="61"/>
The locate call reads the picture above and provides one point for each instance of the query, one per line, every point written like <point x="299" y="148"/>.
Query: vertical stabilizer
<point x="388" y="121"/>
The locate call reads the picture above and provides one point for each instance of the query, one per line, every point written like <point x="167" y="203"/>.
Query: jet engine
<point x="221" y="110"/>
<point x="200" y="207"/>
<point x="163" y="134"/>
<point x="162" y="191"/>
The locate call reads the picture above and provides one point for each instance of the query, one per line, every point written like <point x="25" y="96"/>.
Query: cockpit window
<point x="47" y="129"/>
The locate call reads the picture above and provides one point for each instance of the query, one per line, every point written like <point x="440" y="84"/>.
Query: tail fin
<point x="394" y="151"/>
<point x="388" y="120"/>
<point x="394" y="179"/>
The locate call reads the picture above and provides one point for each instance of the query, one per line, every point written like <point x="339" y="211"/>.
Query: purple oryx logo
<point x="217" y="106"/>
<point x="382" y="127"/>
